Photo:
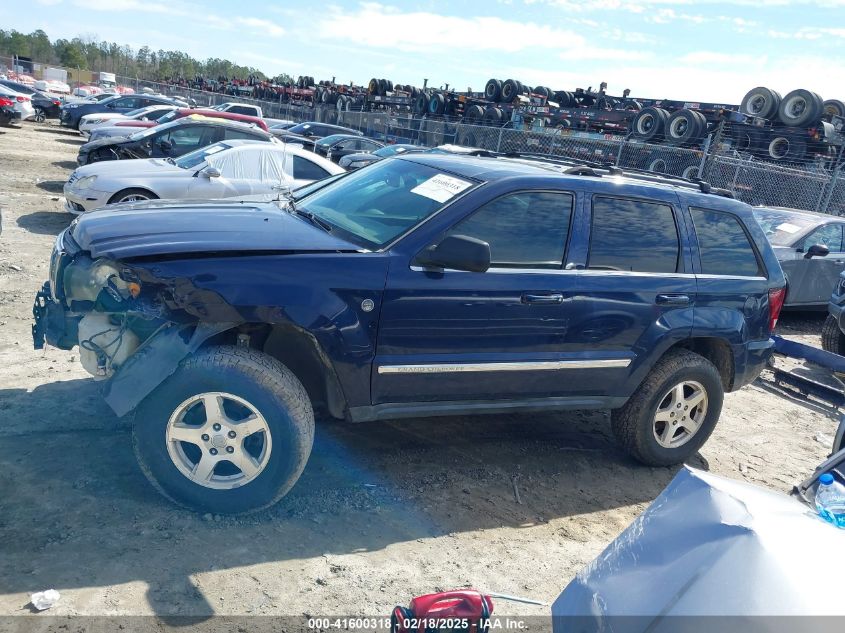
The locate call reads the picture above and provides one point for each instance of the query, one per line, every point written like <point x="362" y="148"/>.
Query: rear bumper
<point x="750" y="359"/>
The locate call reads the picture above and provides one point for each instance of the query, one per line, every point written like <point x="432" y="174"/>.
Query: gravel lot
<point x="384" y="511"/>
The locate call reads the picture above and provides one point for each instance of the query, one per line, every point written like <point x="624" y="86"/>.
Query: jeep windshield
<point x="374" y="206"/>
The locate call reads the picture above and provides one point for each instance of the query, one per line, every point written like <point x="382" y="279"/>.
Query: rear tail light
<point x="22" y="99"/>
<point x="776" y="298"/>
<point x="56" y="102"/>
<point x="5" y="102"/>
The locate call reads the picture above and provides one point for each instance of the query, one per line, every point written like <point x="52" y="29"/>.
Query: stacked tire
<point x="379" y="87"/>
<point x="498" y="91"/>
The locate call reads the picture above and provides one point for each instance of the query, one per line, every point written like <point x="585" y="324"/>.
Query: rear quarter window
<point x="723" y="245"/>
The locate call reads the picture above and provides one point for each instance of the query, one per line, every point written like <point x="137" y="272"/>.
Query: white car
<point x="90" y="122"/>
<point x="234" y="168"/>
<point x="23" y="103"/>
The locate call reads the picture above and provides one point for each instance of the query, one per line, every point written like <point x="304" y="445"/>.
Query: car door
<point x="453" y="335"/>
<point x="238" y="175"/>
<point x="638" y="288"/>
<point x="811" y="281"/>
<point x="183" y="139"/>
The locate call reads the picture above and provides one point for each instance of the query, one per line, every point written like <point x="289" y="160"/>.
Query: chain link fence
<point x="811" y="187"/>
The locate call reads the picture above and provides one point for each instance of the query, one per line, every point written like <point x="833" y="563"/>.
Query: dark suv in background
<point x="423" y="285"/>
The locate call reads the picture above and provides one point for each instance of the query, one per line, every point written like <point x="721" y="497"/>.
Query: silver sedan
<point x="810" y="249"/>
<point x="234" y="168"/>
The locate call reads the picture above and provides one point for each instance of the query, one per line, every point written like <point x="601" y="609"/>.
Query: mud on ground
<point x="384" y="511"/>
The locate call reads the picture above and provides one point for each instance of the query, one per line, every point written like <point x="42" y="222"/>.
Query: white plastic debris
<point x="45" y="599"/>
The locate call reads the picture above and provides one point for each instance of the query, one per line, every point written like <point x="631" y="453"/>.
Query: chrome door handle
<point x="672" y="300"/>
<point x="549" y="298"/>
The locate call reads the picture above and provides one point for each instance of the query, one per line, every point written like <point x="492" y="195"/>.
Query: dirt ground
<point x="384" y="511"/>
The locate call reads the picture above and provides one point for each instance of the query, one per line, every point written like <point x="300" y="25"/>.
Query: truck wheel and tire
<point x="493" y="90"/>
<point x="761" y="102"/>
<point x="510" y="89"/>
<point x="493" y="116"/>
<point x="420" y="103"/>
<point x="650" y="124"/>
<point x="373" y="86"/>
<point x="787" y="148"/>
<point x="800" y="108"/>
<point x="132" y="195"/>
<point x="673" y="412"/>
<point x="474" y="113"/>
<point x="229" y="432"/>
<point x="684" y="127"/>
<point x="436" y="104"/>
<point x="834" y="107"/>
<point x="832" y="338"/>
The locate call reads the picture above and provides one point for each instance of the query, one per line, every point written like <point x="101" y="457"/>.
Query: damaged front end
<point x="124" y="332"/>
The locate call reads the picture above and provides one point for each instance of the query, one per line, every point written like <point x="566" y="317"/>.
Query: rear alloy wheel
<point x="673" y="412"/>
<point x="229" y="432"/>
<point x="132" y="195"/>
<point x="40" y="115"/>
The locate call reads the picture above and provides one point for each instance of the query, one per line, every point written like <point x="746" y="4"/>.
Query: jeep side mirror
<point x="817" y="250"/>
<point x="211" y="172"/>
<point x="458" y="252"/>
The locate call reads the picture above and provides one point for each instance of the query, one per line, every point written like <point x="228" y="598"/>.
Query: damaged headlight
<point x="84" y="279"/>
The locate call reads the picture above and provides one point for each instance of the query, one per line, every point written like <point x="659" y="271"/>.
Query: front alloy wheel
<point x="218" y="440"/>
<point x="228" y="432"/>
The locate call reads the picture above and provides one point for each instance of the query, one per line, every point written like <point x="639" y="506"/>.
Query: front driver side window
<point x="830" y="235"/>
<point x="524" y="230"/>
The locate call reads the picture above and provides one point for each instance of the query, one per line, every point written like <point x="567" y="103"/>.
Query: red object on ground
<point x="462" y="610"/>
<point x="212" y="114"/>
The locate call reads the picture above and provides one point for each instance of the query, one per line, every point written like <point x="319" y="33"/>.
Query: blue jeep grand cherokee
<point x="419" y="286"/>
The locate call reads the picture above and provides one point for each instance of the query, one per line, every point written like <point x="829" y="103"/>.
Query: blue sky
<point x="702" y="50"/>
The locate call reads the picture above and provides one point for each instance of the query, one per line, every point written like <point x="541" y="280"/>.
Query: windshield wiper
<point x="308" y="215"/>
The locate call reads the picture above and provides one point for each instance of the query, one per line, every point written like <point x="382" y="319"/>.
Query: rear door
<point x="638" y="290"/>
<point x="732" y="280"/>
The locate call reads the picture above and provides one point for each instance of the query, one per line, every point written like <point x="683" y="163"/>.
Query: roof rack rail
<point x="598" y="169"/>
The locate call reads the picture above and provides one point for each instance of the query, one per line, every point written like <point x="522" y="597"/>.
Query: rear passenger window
<point x="723" y="245"/>
<point x="304" y="169"/>
<point x="632" y="235"/>
<point x="524" y="230"/>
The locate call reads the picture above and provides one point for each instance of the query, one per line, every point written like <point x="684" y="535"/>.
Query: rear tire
<point x="639" y="424"/>
<point x="761" y="102"/>
<point x="259" y="386"/>
<point x="650" y="124"/>
<point x="832" y="338"/>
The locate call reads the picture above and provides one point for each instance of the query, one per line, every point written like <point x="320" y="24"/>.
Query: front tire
<point x="132" y="195"/>
<point x="229" y="432"/>
<point x="673" y="412"/>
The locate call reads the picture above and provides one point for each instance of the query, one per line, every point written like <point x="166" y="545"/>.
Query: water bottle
<point x="830" y="500"/>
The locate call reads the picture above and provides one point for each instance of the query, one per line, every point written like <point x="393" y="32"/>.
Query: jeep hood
<point x="173" y="228"/>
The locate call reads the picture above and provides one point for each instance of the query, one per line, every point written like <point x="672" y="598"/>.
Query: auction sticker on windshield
<point x="441" y="187"/>
<point x="786" y="227"/>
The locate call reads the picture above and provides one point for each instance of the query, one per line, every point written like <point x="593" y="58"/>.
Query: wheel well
<point x="122" y="191"/>
<point x="297" y="350"/>
<point x="717" y="351"/>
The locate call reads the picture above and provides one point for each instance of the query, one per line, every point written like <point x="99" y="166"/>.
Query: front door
<point x="503" y="334"/>
<point x="811" y="281"/>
